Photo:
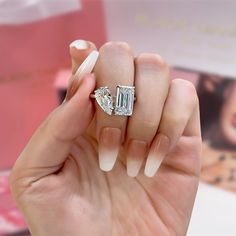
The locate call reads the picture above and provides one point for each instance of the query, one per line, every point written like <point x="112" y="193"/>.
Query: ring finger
<point x="151" y="85"/>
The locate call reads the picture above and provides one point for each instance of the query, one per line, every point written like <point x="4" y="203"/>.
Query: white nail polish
<point x="136" y="154"/>
<point x="108" y="147"/>
<point x="156" y="155"/>
<point x="152" y="165"/>
<point x="107" y="159"/>
<point x="79" y="44"/>
<point x="88" y="64"/>
<point x="133" y="167"/>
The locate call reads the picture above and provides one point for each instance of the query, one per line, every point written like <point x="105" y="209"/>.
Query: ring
<point x="122" y="104"/>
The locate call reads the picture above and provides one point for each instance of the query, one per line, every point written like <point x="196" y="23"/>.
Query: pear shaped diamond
<point x="104" y="99"/>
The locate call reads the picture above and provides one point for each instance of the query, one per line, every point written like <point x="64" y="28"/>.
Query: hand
<point x="57" y="182"/>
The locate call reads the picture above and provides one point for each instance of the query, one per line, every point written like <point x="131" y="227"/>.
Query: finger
<point x="50" y="145"/>
<point x="114" y="67"/>
<point x="84" y="56"/>
<point x="85" y="68"/>
<point x="79" y="50"/>
<point x="179" y="115"/>
<point x="151" y="85"/>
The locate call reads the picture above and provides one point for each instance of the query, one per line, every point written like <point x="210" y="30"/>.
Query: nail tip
<point x="79" y="44"/>
<point x="88" y="64"/>
<point x="94" y="53"/>
<point x="106" y="165"/>
<point x="132" y="172"/>
<point x="106" y="168"/>
<point x="108" y="148"/>
<point x="152" y="166"/>
<point x="149" y="173"/>
<point x="132" y="175"/>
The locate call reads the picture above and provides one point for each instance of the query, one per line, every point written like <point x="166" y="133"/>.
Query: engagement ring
<point x="121" y="104"/>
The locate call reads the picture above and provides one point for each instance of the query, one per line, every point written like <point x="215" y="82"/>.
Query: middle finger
<point x="114" y="67"/>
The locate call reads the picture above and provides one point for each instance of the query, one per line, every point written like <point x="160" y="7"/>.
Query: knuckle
<point x="153" y="60"/>
<point x="184" y="84"/>
<point x="189" y="90"/>
<point x="144" y="130"/>
<point x="117" y="46"/>
<point x="151" y="125"/>
<point x="146" y="124"/>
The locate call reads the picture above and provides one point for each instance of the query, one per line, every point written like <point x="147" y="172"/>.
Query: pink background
<point x="31" y="56"/>
<point x="44" y="44"/>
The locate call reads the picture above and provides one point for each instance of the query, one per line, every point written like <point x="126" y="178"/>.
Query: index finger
<point x="79" y="50"/>
<point x="84" y="56"/>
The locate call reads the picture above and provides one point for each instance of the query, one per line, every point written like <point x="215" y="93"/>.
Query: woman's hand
<point x="57" y="182"/>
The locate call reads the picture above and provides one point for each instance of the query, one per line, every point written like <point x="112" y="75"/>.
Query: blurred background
<point x="198" y="40"/>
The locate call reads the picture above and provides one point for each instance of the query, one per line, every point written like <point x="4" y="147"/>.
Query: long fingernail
<point x="85" y="68"/>
<point x="158" y="151"/>
<point x="88" y="64"/>
<point x="109" y="145"/>
<point x="136" y="153"/>
<point x="80" y="44"/>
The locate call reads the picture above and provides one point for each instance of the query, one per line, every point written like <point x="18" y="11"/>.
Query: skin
<point x="57" y="182"/>
<point x="228" y="114"/>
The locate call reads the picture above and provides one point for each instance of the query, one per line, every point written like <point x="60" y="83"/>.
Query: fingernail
<point x="108" y="147"/>
<point x="88" y="64"/>
<point x="85" y="68"/>
<point x="158" y="151"/>
<point x="79" y="44"/>
<point x="136" y="153"/>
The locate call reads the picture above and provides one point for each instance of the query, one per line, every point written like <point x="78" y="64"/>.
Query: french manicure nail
<point x="87" y="66"/>
<point x="158" y="151"/>
<point x="108" y="147"/>
<point x="79" y="44"/>
<point x="136" y="153"/>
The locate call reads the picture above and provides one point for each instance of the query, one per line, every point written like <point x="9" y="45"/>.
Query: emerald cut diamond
<point x="124" y="100"/>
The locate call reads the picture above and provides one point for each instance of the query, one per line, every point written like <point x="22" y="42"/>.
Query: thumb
<point x="50" y="145"/>
<point x="85" y="67"/>
<point x="84" y="56"/>
<point x="79" y="50"/>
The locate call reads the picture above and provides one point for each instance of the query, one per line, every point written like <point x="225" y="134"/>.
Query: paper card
<point x="196" y="35"/>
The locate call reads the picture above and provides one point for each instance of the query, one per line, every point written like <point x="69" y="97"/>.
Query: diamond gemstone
<point x="104" y="99"/>
<point x="124" y="100"/>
